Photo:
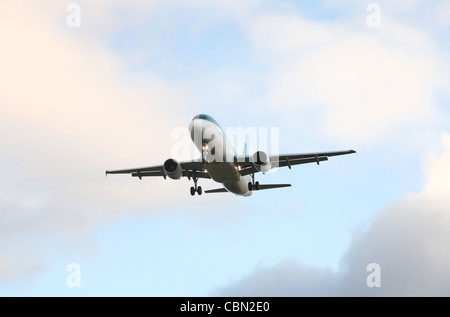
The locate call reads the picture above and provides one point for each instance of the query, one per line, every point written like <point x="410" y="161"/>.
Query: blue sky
<point x="109" y="93"/>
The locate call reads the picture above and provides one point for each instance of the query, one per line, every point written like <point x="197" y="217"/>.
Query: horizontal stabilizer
<point x="270" y="186"/>
<point x="261" y="187"/>
<point x="218" y="190"/>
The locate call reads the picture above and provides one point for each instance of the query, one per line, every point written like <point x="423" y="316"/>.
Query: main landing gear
<point x="253" y="185"/>
<point x="195" y="188"/>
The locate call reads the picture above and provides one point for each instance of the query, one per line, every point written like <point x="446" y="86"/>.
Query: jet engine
<point x="261" y="161"/>
<point x="172" y="169"/>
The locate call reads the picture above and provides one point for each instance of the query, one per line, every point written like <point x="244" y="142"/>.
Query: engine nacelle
<point x="261" y="161"/>
<point x="172" y="169"/>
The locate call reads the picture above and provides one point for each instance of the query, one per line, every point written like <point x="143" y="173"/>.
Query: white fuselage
<point x="218" y="156"/>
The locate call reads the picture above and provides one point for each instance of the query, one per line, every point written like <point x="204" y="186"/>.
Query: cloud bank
<point x="69" y="110"/>
<point x="346" y="81"/>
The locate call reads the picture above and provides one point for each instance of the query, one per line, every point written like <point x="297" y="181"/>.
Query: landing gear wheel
<point x="195" y="188"/>
<point x="257" y="187"/>
<point x="250" y="186"/>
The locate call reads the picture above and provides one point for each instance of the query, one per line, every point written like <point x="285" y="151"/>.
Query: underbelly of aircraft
<point x="223" y="172"/>
<point x="240" y="187"/>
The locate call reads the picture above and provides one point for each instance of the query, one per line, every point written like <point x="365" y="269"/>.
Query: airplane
<point x="220" y="162"/>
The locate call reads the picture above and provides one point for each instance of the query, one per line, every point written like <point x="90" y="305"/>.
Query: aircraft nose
<point x="195" y="129"/>
<point x="193" y="126"/>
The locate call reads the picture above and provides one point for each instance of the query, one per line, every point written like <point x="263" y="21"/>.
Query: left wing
<point x="247" y="167"/>
<point x="189" y="169"/>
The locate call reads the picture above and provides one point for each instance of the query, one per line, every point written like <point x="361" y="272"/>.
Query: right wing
<point x="282" y="160"/>
<point x="189" y="169"/>
<point x="294" y="159"/>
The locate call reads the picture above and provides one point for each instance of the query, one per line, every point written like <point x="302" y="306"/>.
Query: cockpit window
<point x="210" y="119"/>
<point x="207" y="118"/>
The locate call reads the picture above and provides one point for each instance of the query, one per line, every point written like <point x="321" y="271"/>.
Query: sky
<point x="87" y="87"/>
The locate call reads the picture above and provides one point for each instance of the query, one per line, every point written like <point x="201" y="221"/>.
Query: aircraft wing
<point x="282" y="160"/>
<point x="189" y="169"/>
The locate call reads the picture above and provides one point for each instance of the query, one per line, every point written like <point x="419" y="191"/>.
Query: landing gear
<point x="195" y="188"/>
<point x="253" y="185"/>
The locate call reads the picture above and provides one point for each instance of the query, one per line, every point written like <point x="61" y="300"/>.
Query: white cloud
<point x="350" y="82"/>
<point x="287" y="278"/>
<point x="437" y="173"/>
<point x="443" y="13"/>
<point x="69" y="110"/>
